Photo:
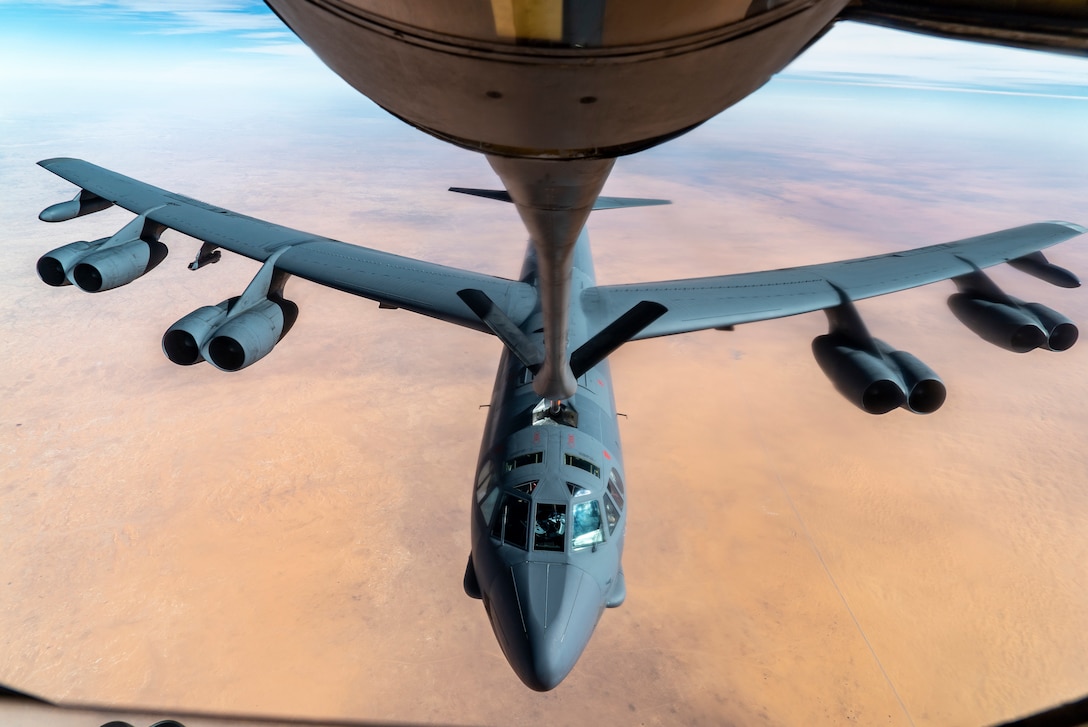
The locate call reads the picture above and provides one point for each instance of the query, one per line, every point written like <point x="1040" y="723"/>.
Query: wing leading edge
<point x="392" y="280"/>
<point x="726" y="300"/>
<point x="869" y="372"/>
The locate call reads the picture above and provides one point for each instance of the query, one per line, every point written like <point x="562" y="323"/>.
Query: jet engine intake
<point x="227" y="340"/>
<point x="54" y="266"/>
<point x="248" y="337"/>
<point x="183" y="341"/>
<point x="925" y="390"/>
<point x="878" y="379"/>
<point x="864" y="379"/>
<point x="1014" y="325"/>
<point x="106" y="263"/>
<point x="1061" y="333"/>
<point x="239" y="331"/>
<point x="118" y="265"/>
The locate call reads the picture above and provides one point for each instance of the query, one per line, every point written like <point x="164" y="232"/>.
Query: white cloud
<point x="284" y="35"/>
<point x="295" y="49"/>
<point x="216" y="21"/>
<point x="172" y="16"/>
<point x="857" y="53"/>
<point x="144" y="6"/>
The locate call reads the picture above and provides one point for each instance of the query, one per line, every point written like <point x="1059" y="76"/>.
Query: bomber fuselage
<point x="548" y="508"/>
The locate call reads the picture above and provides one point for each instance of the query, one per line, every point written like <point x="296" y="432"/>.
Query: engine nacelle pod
<point x="861" y="376"/>
<point x="926" y="392"/>
<point x="183" y="341"/>
<point x="1061" y="333"/>
<point x="250" y="336"/>
<point x="1003" y="325"/>
<point x="115" y="266"/>
<point x="54" y="266"/>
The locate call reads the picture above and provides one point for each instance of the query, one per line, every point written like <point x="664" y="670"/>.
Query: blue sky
<point x="67" y="46"/>
<point x="221" y="23"/>
<point x="68" y="62"/>
<point x="220" y="41"/>
<point x="183" y="73"/>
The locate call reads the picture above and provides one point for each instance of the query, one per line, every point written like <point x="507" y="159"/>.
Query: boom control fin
<point x="504" y="329"/>
<point x="614" y="335"/>
<point x="602" y="203"/>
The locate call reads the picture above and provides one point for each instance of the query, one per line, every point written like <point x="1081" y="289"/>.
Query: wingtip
<point x="1079" y="229"/>
<point x="47" y="163"/>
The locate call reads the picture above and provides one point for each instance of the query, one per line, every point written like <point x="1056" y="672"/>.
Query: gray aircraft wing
<point x="727" y="300"/>
<point x="393" y="280"/>
<point x="247" y="327"/>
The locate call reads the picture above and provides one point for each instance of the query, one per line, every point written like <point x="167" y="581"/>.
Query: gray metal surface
<point x="697" y="304"/>
<point x="549" y="508"/>
<point x="397" y="281"/>
<point x="544" y="604"/>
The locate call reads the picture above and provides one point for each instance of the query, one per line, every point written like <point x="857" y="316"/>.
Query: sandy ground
<point x="290" y="540"/>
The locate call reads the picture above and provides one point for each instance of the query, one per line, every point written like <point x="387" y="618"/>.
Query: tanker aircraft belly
<point x="553" y="93"/>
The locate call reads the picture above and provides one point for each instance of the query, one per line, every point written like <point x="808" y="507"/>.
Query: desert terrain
<point x="290" y="540"/>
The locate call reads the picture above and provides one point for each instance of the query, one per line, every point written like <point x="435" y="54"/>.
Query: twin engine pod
<point x="229" y="338"/>
<point x="107" y="263"/>
<point x="877" y="378"/>
<point x="232" y="335"/>
<point x="96" y="266"/>
<point x="1013" y="324"/>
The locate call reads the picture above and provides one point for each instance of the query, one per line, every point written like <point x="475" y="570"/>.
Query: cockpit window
<point x="527" y="487"/>
<point x="523" y="459"/>
<point x="614" y="477"/>
<point x="612" y="490"/>
<point x="583" y="464"/>
<point x="587" y="524"/>
<point x="577" y="490"/>
<point x="483" y="480"/>
<point x="551" y="526"/>
<point x="511" y="522"/>
<point x="611" y="514"/>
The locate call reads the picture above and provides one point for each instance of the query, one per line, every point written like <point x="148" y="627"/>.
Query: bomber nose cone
<point x="546" y="613"/>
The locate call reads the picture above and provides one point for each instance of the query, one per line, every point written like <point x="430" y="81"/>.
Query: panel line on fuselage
<point x="544" y="526"/>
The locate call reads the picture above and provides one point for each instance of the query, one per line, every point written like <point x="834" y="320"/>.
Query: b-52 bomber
<point x="552" y="92"/>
